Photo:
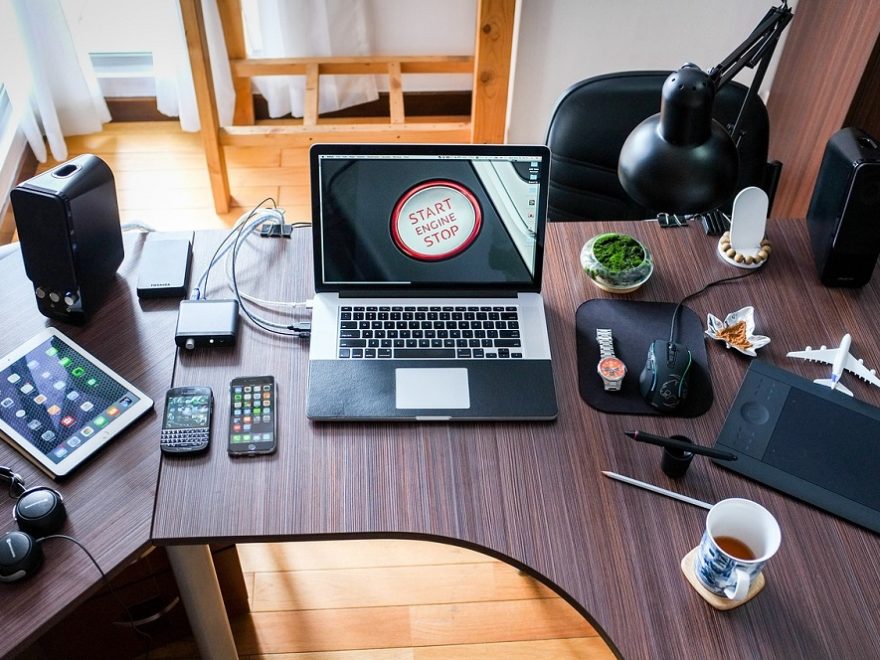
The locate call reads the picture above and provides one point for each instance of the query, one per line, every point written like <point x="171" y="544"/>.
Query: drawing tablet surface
<point x="820" y="446"/>
<point x="59" y="404"/>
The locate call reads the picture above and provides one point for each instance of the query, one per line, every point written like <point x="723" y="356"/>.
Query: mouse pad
<point x="635" y="324"/>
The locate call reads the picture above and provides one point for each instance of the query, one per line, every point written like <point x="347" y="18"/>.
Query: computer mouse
<point x="664" y="380"/>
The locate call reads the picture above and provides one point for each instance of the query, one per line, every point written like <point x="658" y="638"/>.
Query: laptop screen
<point x="444" y="217"/>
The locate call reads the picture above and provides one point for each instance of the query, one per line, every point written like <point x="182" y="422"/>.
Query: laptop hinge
<point x="470" y="293"/>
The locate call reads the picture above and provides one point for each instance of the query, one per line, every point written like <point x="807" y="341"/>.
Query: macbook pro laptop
<point x="428" y="262"/>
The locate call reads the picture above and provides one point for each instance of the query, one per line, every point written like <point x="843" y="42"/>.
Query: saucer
<point x="718" y="602"/>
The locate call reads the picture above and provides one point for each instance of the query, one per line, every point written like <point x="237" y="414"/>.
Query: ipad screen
<point x="55" y="399"/>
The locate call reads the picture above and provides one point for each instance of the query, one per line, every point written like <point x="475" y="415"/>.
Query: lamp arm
<point x="756" y="50"/>
<point x="759" y="44"/>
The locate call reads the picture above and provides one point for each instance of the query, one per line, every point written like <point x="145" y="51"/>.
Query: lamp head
<point x="680" y="160"/>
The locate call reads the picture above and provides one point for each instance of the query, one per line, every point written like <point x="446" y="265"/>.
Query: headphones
<point x="39" y="512"/>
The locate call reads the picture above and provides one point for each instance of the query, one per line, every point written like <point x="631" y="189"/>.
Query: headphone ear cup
<point x="40" y="511"/>
<point x="20" y="556"/>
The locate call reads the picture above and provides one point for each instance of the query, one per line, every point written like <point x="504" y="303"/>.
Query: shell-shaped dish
<point x="737" y="331"/>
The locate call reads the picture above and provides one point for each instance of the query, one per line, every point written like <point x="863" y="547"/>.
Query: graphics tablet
<point x="59" y="404"/>
<point x="820" y="446"/>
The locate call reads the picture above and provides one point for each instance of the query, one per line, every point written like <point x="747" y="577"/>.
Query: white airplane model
<point x="839" y="358"/>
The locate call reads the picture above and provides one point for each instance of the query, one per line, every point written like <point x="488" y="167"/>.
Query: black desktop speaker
<point x="71" y="239"/>
<point x="844" y="213"/>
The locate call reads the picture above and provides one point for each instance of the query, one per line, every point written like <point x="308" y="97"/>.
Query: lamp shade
<point x="680" y="160"/>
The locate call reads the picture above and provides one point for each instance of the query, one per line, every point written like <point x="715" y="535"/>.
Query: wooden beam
<point x="395" y="93"/>
<point x="197" y="45"/>
<point x="818" y="91"/>
<point x="233" y="34"/>
<point x="298" y="135"/>
<point x="494" y="48"/>
<point x="368" y="65"/>
<point x="310" y="102"/>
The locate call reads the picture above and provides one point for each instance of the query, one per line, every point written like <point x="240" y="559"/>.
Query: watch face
<point x="612" y="368"/>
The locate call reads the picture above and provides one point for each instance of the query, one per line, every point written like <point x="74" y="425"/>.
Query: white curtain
<point x="309" y="28"/>
<point x="50" y="81"/>
<point x="54" y="91"/>
<point x="175" y="94"/>
<point x="274" y="28"/>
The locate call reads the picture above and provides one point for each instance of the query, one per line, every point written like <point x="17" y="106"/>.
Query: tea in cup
<point x="740" y="537"/>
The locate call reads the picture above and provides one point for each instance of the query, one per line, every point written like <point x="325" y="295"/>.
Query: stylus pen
<point x="672" y="443"/>
<point x="657" y="489"/>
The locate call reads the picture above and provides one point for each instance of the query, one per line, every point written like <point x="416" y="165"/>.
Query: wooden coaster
<point x="718" y="602"/>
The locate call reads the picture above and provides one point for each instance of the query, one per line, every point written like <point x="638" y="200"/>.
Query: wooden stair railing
<point x="490" y="67"/>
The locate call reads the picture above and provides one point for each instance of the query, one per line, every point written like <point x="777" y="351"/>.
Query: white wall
<point x="424" y="27"/>
<point x="563" y="41"/>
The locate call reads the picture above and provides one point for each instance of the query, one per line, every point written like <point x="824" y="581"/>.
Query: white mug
<point x="740" y="537"/>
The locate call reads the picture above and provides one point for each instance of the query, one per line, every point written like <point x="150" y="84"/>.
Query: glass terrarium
<point x="616" y="263"/>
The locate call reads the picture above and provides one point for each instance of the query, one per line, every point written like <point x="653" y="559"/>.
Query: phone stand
<point x="744" y="246"/>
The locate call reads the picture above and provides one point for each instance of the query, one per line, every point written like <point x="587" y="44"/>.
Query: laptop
<point x="428" y="263"/>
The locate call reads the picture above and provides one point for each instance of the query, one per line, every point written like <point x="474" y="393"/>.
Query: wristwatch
<point x="611" y="368"/>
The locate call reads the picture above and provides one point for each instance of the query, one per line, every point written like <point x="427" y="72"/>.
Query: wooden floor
<point x="396" y="600"/>
<point x="376" y="600"/>
<point x="162" y="179"/>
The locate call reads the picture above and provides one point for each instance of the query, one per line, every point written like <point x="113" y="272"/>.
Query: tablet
<point x="59" y="404"/>
<point x="820" y="446"/>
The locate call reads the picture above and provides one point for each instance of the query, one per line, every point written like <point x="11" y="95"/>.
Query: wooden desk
<point x="109" y="499"/>
<point x="532" y="493"/>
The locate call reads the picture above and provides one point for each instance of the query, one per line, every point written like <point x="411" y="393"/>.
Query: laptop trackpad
<point x="432" y="388"/>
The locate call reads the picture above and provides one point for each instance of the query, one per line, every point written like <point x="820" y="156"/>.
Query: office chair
<point x="593" y="118"/>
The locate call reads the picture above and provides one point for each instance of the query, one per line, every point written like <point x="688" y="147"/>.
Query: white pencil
<point x="657" y="489"/>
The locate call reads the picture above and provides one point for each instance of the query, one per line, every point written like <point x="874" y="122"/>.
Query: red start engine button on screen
<point x="435" y="220"/>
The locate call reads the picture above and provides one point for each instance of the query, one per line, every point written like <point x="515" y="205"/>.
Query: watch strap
<point x="606" y="343"/>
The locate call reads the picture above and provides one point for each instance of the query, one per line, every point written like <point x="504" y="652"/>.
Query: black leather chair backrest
<point x="593" y="118"/>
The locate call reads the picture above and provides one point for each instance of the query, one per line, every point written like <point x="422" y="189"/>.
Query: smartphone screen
<point x="186" y="425"/>
<point x="252" y="416"/>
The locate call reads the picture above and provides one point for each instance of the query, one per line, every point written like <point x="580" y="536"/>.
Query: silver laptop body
<point x="428" y="263"/>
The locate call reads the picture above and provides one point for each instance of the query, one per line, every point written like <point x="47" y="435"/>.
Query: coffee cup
<point x="740" y="537"/>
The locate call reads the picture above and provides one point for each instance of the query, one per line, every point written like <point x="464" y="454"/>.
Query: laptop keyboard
<point x="429" y="331"/>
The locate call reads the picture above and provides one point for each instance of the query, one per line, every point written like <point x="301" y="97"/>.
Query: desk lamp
<point x="682" y="160"/>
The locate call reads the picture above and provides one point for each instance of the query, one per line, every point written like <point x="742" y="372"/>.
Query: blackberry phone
<point x="252" y="416"/>
<point x="186" y="425"/>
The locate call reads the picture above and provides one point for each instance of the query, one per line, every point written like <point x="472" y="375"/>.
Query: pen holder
<point x="675" y="462"/>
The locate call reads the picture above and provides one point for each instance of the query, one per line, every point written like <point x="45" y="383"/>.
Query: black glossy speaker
<point x="844" y="213"/>
<point x="71" y="240"/>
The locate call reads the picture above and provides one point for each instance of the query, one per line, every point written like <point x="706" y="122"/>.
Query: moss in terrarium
<point x="618" y="252"/>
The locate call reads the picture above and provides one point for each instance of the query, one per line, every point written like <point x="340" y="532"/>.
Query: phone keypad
<point x="184" y="438"/>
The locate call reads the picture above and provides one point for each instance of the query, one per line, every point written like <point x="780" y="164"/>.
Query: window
<point x="124" y="74"/>
<point x="7" y="130"/>
<point x="5" y="109"/>
<point x="119" y="37"/>
<point x="11" y="148"/>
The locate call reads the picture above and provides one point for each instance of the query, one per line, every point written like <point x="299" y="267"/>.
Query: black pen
<point x="672" y="443"/>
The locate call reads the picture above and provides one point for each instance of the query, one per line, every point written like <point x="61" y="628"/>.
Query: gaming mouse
<point x="664" y="380"/>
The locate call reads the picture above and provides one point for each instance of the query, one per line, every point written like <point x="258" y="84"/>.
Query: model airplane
<point x="839" y="358"/>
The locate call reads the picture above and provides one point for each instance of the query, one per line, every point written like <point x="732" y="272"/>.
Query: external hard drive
<point x="163" y="270"/>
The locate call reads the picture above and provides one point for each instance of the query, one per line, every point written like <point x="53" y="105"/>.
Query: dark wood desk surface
<point x="533" y="493"/>
<point x="110" y="498"/>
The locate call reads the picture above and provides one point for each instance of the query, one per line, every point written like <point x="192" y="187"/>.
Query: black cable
<point x="148" y="639"/>
<point x="16" y="483"/>
<point x="696" y="293"/>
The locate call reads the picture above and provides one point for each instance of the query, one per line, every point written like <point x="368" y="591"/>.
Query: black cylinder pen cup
<point x="675" y="462"/>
